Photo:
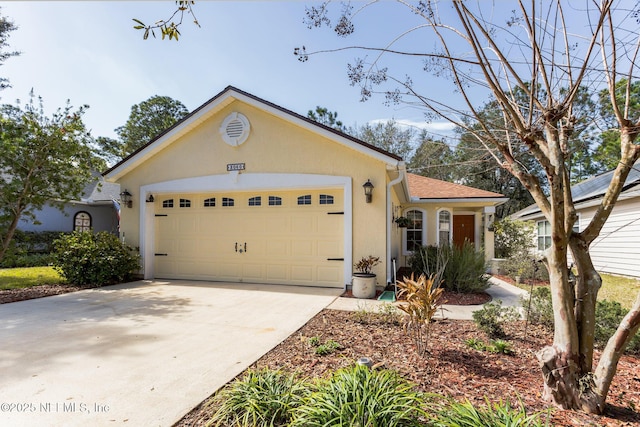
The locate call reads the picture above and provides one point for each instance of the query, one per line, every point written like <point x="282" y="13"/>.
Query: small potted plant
<point x="402" y="221"/>
<point x="363" y="282"/>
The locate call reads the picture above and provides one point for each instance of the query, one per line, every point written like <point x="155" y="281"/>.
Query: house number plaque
<point x="235" y="167"/>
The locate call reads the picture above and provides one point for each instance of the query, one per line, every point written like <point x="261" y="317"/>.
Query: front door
<point x="463" y="229"/>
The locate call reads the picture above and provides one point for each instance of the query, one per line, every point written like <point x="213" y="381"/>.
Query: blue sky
<point x="89" y="53"/>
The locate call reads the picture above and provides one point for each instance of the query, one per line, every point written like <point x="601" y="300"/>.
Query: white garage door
<point x="266" y="237"/>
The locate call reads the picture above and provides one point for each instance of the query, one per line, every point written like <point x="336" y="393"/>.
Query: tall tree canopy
<point x="147" y="120"/>
<point x="535" y="62"/>
<point x="326" y="117"/>
<point x="6" y="27"/>
<point x="389" y="136"/>
<point x="42" y="160"/>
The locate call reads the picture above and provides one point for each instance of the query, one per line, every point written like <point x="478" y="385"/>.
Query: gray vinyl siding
<point x="617" y="249"/>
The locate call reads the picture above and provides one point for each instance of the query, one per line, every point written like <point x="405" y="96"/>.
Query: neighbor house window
<point x="304" y="200"/>
<point x="326" y="199"/>
<point x="167" y="203"/>
<point x="185" y="203"/>
<point x="414" y="236"/>
<point x="444" y="227"/>
<point x="210" y="202"/>
<point x="544" y="235"/>
<point x="255" y="201"/>
<point x="275" y="201"/>
<point x="82" y="222"/>
<point x="226" y="201"/>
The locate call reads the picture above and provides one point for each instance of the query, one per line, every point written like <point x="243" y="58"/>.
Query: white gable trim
<point x="241" y="182"/>
<point x="216" y="104"/>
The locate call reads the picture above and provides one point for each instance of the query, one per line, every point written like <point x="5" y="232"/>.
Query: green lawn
<point x="16" y="278"/>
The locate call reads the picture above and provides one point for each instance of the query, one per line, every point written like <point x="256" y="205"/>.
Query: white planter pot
<point x="363" y="285"/>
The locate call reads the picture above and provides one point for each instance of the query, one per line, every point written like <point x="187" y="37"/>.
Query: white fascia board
<point x="494" y="201"/>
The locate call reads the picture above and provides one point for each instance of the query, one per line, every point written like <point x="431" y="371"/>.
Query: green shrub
<point x="361" y="397"/>
<point x="460" y="269"/>
<point x="526" y="266"/>
<point x="30" y="249"/>
<point x="465" y="414"/>
<point x="492" y="316"/>
<point x="260" y="398"/>
<point x="609" y="314"/>
<point x="537" y="307"/>
<point x="98" y="259"/>
<point x="513" y="237"/>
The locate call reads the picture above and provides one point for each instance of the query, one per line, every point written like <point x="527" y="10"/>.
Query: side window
<point x="210" y="202"/>
<point x="185" y="203"/>
<point x="167" y="203"/>
<point x="444" y="227"/>
<point x="275" y="201"/>
<point x="543" y="231"/>
<point x="326" y="199"/>
<point x="226" y="201"/>
<point x="304" y="200"/>
<point x="255" y="201"/>
<point x="414" y="236"/>
<point x="82" y="221"/>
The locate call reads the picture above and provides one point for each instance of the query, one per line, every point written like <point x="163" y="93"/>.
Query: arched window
<point x="82" y="221"/>
<point x="415" y="235"/>
<point x="444" y="227"/>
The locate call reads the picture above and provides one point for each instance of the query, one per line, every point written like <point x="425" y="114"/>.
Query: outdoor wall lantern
<point x="149" y="199"/>
<point x="368" y="190"/>
<point x="126" y="198"/>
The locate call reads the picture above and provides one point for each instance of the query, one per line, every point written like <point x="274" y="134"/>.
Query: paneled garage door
<point x="266" y="237"/>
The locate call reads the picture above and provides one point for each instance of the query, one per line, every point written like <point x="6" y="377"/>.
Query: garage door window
<point x="275" y="201"/>
<point x="255" y="201"/>
<point x="185" y="203"/>
<point x="210" y="202"/>
<point x="227" y="201"/>
<point x="304" y="200"/>
<point x="167" y="203"/>
<point x="326" y="199"/>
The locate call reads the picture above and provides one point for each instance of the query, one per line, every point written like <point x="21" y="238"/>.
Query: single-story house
<point x="96" y="210"/>
<point x="243" y="190"/>
<point x="617" y="249"/>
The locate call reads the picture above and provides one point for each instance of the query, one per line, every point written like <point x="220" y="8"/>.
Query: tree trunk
<point x="6" y="239"/>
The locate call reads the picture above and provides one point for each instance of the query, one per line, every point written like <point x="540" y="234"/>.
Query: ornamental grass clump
<point x="260" y="398"/>
<point x="465" y="414"/>
<point x="358" y="396"/>
<point x="422" y="299"/>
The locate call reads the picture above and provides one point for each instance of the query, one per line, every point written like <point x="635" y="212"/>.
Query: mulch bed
<point x="448" y="297"/>
<point x="451" y="369"/>
<point x="14" y="295"/>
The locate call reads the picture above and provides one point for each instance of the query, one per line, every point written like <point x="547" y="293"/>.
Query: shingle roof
<point x="430" y="188"/>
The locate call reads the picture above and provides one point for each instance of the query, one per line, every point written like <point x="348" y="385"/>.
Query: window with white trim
<point x="82" y="222"/>
<point x="227" y="201"/>
<point x="304" y="200"/>
<point x="326" y="199"/>
<point x="543" y="232"/>
<point x="415" y="235"/>
<point x="275" y="201"/>
<point x="444" y="227"/>
<point x="255" y="201"/>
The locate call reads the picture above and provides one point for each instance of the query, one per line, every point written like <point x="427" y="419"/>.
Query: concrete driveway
<point x="140" y="354"/>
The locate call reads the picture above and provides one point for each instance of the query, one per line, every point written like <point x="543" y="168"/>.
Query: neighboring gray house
<point x="97" y="210"/>
<point x="617" y="249"/>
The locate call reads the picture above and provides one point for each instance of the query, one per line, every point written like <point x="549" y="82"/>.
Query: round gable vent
<point x="235" y="129"/>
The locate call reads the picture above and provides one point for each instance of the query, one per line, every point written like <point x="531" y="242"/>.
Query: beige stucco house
<point x="243" y="190"/>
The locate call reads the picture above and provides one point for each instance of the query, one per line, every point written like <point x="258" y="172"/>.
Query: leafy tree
<point x="326" y="117"/>
<point x="433" y="158"/>
<point x="42" y="160"/>
<point x="168" y="27"/>
<point x="389" y="136"/>
<point x="147" y="120"/>
<point x="537" y="51"/>
<point x="6" y="27"/>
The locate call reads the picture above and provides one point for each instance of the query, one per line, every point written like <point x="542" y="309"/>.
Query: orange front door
<point x="463" y="229"/>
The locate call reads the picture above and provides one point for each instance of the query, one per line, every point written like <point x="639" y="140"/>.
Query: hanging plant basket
<point x="402" y="221"/>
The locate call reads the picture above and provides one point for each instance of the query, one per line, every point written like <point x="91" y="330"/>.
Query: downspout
<point x="401" y="176"/>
